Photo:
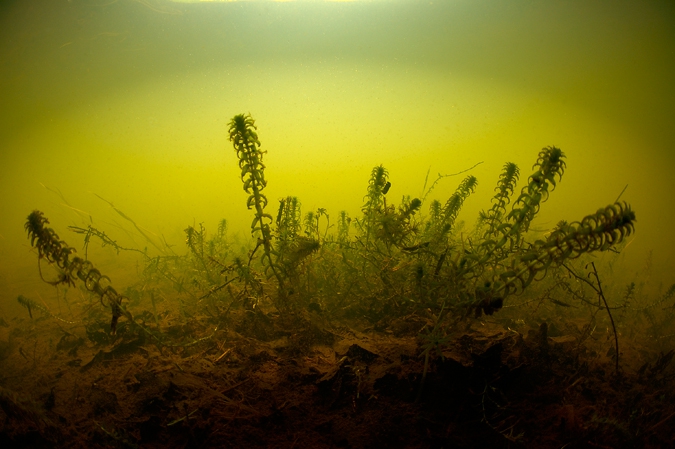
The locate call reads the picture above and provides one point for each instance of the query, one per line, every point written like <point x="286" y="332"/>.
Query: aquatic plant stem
<point x="611" y="319"/>
<point x="245" y="141"/>
<point x="601" y="295"/>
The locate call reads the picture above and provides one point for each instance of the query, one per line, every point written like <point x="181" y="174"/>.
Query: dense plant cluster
<point x="391" y="261"/>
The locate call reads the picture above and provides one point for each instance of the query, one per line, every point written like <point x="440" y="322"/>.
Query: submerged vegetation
<point x="397" y="270"/>
<point x="392" y="261"/>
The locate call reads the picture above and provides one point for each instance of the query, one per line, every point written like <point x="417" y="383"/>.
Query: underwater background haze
<point x="128" y="102"/>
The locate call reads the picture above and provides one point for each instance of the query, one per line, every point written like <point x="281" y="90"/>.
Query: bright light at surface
<point x="286" y="1"/>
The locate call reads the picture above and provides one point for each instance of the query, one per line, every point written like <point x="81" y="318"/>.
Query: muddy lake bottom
<point x="301" y="380"/>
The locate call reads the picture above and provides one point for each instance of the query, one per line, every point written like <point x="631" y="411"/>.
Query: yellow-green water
<point x="130" y="100"/>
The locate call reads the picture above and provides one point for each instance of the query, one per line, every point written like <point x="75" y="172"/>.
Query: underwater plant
<point x="57" y="252"/>
<point x="378" y="186"/>
<point x="493" y="218"/>
<point x="292" y="247"/>
<point x="549" y="165"/>
<point x="71" y="268"/>
<point x="596" y="232"/>
<point x="511" y="228"/>
<point x="288" y="224"/>
<point x="344" y="222"/>
<point x="197" y="243"/>
<point x="434" y="340"/>
<point x="245" y="141"/>
<point x="311" y="225"/>
<point x="401" y="267"/>
<point x="444" y="219"/>
<point x="31" y="305"/>
<point x="504" y="236"/>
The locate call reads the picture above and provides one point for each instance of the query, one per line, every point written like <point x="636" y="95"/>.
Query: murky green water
<point x="129" y="101"/>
